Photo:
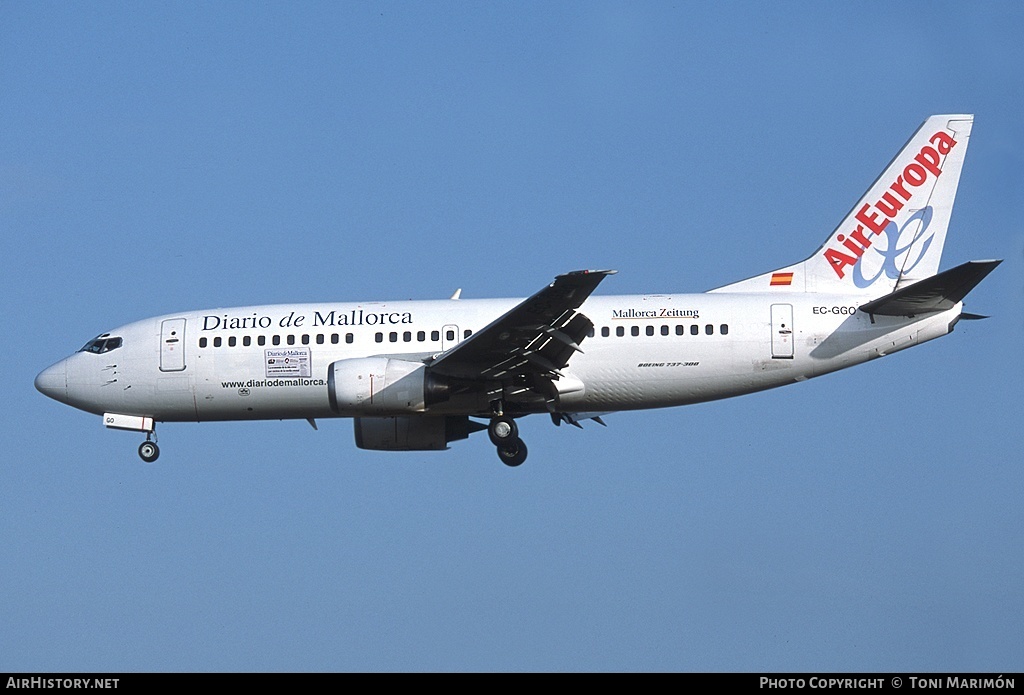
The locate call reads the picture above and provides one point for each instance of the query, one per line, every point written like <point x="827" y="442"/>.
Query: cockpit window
<point x="101" y="343"/>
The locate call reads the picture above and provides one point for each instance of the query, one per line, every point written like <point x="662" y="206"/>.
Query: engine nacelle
<point x="412" y="432"/>
<point x="379" y="385"/>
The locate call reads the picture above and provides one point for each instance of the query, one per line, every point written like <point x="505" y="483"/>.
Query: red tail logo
<point x="874" y="218"/>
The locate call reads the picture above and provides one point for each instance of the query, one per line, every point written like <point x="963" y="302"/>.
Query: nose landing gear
<point x="148" y="450"/>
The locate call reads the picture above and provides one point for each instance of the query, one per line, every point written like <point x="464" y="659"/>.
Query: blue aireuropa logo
<point x="893" y="252"/>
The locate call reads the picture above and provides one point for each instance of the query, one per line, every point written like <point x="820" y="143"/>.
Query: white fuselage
<point x="646" y="351"/>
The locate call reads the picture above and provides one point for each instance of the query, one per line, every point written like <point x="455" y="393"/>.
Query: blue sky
<point x="162" y="157"/>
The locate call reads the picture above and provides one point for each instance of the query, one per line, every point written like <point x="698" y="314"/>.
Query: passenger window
<point x="421" y="336"/>
<point x="216" y="342"/>
<point x="466" y="333"/>
<point x="379" y="337"/>
<point x="605" y="331"/>
<point x="664" y="330"/>
<point x="635" y="330"/>
<point x="694" y="329"/>
<point x="724" y="328"/>
<point x="247" y="341"/>
<point x="449" y="334"/>
<point x="261" y="340"/>
<point x="435" y="335"/>
<point x="349" y="337"/>
<point x="291" y="339"/>
<point x="305" y="339"/>
<point x="319" y="338"/>
<point x="231" y="341"/>
<point x="276" y="340"/>
<point x="650" y="330"/>
<point x="334" y="338"/>
<point x="709" y="329"/>
<point x="202" y="342"/>
<point x="407" y="337"/>
<point x="679" y="329"/>
<point x="590" y="333"/>
<point x="620" y="331"/>
<point x="393" y="337"/>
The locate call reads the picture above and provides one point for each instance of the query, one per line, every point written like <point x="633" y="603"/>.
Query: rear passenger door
<point x="782" y="331"/>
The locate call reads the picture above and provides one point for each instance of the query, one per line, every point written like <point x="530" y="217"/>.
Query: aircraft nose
<point x="53" y="382"/>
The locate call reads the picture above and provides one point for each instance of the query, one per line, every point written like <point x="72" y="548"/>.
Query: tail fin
<point x="894" y="235"/>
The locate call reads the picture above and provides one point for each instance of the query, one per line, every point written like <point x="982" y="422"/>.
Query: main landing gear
<point x="148" y="450"/>
<point x="504" y="434"/>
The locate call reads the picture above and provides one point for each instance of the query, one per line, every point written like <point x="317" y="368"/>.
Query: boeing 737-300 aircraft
<point x="417" y="375"/>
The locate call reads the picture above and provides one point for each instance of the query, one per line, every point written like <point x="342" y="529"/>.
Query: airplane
<point x="419" y="375"/>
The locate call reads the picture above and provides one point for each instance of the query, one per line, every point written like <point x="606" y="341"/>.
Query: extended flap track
<point x="543" y="349"/>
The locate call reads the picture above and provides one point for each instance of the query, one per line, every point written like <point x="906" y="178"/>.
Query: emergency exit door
<point x="782" y="331"/>
<point x="449" y="337"/>
<point x="172" y="345"/>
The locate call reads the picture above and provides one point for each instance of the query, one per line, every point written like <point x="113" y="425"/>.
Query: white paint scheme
<point x="738" y="339"/>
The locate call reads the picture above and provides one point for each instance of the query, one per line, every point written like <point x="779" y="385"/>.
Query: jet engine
<point x="412" y="432"/>
<point x="380" y="385"/>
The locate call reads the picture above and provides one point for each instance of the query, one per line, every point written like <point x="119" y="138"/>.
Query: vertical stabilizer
<point x="894" y="235"/>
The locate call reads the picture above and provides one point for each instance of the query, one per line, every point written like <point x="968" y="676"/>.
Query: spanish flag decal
<point x="781" y="279"/>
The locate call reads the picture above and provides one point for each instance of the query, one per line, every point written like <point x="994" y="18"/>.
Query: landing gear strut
<point x="148" y="450"/>
<point x="504" y="434"/>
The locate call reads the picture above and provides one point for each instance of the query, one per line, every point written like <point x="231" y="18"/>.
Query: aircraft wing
<point x="535" y="338"/>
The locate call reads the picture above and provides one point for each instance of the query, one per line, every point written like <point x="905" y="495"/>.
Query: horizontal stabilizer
<point x="937" y="293"/>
